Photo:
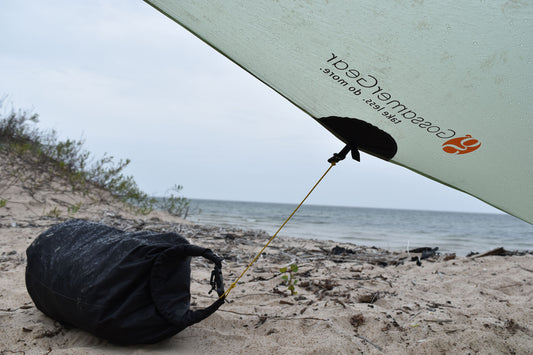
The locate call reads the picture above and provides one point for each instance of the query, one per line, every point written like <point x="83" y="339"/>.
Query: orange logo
<point x="461" y="145"/>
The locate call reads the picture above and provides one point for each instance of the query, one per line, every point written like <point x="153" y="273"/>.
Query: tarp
<point x="448" y="82"/>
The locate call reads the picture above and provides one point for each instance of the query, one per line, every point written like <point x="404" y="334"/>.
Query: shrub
<point x="175" y="205"/>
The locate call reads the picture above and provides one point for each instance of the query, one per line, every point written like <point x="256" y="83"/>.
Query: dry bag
<point x="126" y="287"/>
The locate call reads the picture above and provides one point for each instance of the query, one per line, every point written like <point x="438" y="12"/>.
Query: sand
<point x="358" y="300"/>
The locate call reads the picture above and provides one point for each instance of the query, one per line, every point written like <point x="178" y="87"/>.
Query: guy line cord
<point x="333" y="161"/>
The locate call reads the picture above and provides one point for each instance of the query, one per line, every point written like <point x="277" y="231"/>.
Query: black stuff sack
<point x="128" y="288"/>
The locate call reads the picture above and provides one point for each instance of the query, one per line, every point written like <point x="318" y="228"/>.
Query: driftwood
<point x="501" y="252"/>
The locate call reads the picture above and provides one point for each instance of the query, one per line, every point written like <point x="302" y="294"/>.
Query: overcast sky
<point x="136" y="85"/>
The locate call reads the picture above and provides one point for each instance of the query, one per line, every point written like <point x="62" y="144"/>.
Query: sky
<point x="133" y="84"/>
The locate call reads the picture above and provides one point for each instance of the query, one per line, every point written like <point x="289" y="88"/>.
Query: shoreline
<point x="397" y="230"/>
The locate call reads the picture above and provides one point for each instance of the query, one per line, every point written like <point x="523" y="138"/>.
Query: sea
<point x="452" y="232"/>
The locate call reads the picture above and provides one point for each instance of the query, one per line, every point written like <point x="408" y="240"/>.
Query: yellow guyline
<point x="334" y="160"/>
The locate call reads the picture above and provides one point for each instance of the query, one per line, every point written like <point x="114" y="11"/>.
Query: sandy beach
<point x="350" y="299"/>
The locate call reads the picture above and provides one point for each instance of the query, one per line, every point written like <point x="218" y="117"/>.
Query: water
<point x="452" y="232"/>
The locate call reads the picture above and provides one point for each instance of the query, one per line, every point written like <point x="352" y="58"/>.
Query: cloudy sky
<point x="134" y="84"/>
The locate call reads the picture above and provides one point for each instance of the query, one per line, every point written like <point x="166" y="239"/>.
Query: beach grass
<point x="42" y="152"/>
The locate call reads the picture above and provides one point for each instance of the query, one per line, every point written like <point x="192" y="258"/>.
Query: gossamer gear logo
<point x="368" y="89"/>
<point x="461" y="145"/>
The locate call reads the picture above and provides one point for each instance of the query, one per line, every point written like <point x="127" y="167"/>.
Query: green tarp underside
<point x="423" y="72"/>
